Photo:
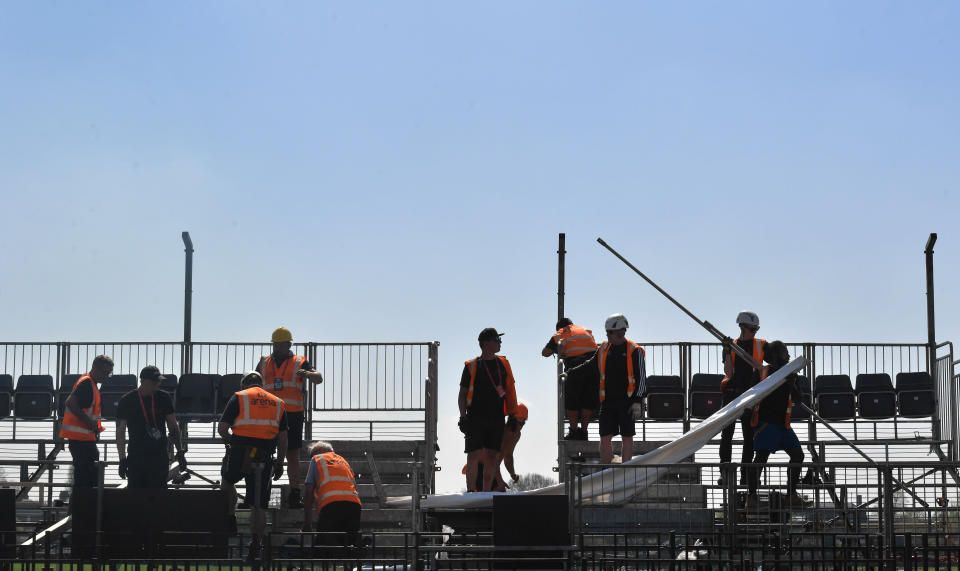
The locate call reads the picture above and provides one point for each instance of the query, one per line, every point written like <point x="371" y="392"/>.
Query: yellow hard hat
<point x="280" y="335"/>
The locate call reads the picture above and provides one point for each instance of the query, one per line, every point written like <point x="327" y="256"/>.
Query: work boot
<point x="295" y="501"/>
<point x="798" y="501"/>
<point x="582" y="434"/>
<point x="572" y="435"/>
<point x="752" y="501"/>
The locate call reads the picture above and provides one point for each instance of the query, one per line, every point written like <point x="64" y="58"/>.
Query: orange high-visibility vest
<point x="283" y="380"/>
<point x="72" y="427"/>
<point x="757" y="356"/>
<point x="602" y="361"/>
<point x="755" y="419"/>
<point x="573" y="341"/>
<point x="334" y="481"/>
<point x="259" y="414"/>
<point x="510" y="400"/>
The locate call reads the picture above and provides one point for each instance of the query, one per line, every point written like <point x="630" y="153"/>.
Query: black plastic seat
<point x="916" y="395"/>
<point x="798" y="412"/>
<point x="111" y="390"/>
<point x="665" y="398"/>
<point x="169" y="385"/>
<point x="63" y="392"/>
<point x="706" y="395"/>
<point x="834" y="397"/>
<point x="6" y="395"/>
<point x="197" y="397"/>
<point x="875" y="397"/>
<point x="229" y="384"/>
<point x="33" y="398"/>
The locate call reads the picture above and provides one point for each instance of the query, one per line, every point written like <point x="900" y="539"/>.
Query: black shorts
<point x="483" y="433"/>
<point x="241" y="463"/>
<point x="581" y="391"/>
<point x="615" y="418"/>
<point x="294" y="430"/>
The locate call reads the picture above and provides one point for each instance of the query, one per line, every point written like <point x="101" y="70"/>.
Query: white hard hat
<point x="748" y="318"/>
<point x="251" y="378"/>
<point x="616" y="322"/>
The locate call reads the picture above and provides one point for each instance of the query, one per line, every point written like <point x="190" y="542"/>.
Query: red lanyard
<point x="489" y="376"/>
<point x="153" y="402"/>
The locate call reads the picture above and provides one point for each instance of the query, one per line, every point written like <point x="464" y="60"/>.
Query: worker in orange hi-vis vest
<point x="621" y="364"/>
<point x="487" y="394"/>
<point x="283" y="374"/>
<point x="574" y="345"/>
<point x="253" y="426"/>
<point x="771" y="428"/>
<point x="331" y="496"/>
<point x="81" y="424"/>
<point x="740" y="376"/>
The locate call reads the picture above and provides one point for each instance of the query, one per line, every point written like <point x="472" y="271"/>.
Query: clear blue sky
<point x="401" y="170"/>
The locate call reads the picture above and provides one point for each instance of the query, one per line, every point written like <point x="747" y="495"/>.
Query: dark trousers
<point x="726" y="436"/>
<point x="85" y="457"/>
<point x="339" y="516"/>
<point x="793" y="472"/>
<point x="148" y="471"/>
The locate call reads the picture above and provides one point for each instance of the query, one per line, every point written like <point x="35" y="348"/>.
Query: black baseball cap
<point x="489" y="334"/>
<point x="151" y="373"/>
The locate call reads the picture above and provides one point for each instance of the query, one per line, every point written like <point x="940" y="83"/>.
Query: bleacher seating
<point x="916" y="395"/>
<point x="6" y="395"/>
<point x="665" y="398"/>
<point x="834" y="397"/>
<point x="197" y="397"/>
<point x="798" y="412"/>
<point x="111" y="390"/>
<point x="33" y="398"/>
<point x="64" y="390"/>
<point x="875" y="397"/>
<point x="229" y="384"/>
<point x="706" y="396"/>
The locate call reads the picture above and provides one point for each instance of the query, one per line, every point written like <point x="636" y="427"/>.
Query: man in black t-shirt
<point x="487" y="394"/>
<point x="771" y="428"/>
<point x="147" y="413"/>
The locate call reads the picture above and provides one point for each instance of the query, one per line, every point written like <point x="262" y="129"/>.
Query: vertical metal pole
<point x="562" y="448"/>
<point x="432" y="413"/>
<point x="186" y="366"/>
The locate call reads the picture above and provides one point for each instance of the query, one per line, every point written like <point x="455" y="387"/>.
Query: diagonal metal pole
<point x="711" y="329"/>
<point x="728" y="342"/>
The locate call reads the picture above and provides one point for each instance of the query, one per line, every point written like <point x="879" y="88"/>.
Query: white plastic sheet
<point x="617" y="485"/>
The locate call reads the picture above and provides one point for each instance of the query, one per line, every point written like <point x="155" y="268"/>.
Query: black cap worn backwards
<point x="151" y="373"/>
<point x="489" y="334"/>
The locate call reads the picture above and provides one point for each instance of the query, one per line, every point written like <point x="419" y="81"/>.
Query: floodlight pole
<point x="188" y="286"/>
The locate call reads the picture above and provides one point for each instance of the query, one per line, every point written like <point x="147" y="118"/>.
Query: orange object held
<point x="521" y="412"/>
<point x="335" y="481"/>
<point x="631" y="379"/>
<point x="260" y="414"/>
<point x="73" y="427"/>
<point x="283" y="380"/>
<point x="510" y="400"/>
<point x="573" y="340"/>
